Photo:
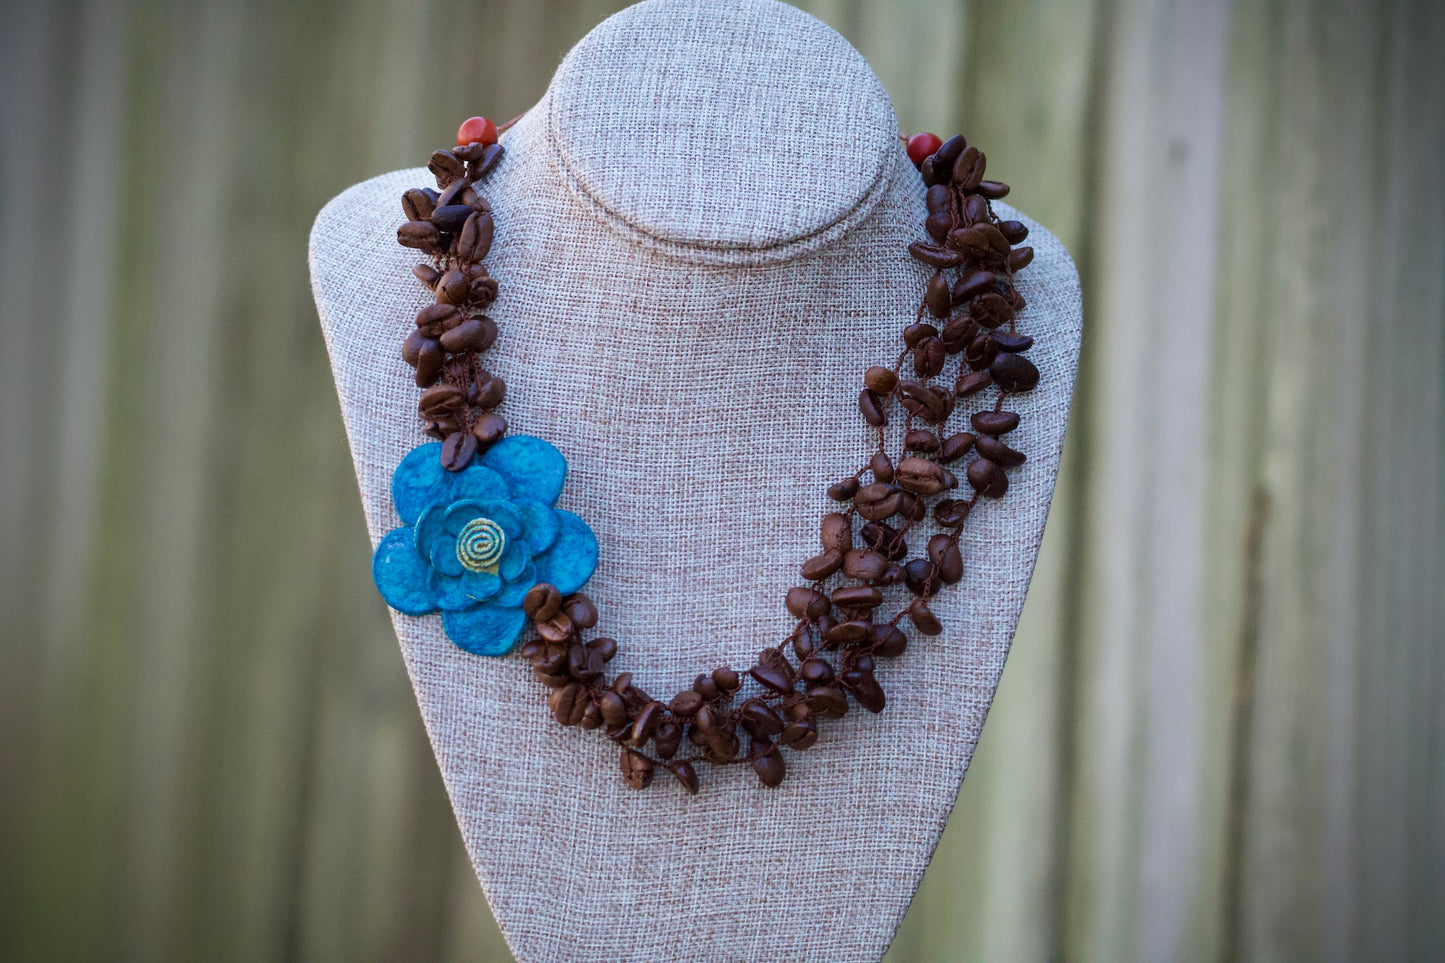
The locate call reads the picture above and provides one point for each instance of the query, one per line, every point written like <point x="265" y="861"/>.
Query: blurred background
<point x="1221" y="734"/>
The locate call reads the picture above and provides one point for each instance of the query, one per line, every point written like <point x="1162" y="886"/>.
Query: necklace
<point x="482" y="542"/>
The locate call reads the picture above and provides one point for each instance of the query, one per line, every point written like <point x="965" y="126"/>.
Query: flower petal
<point x="419" y="482"/>
<point x="480" y="585"/>
<point x="428" y="529"/>
<point x="505" y="515"/>
<point x="516" y="589"/>
<point x="459" y="513"/>
<point x="451" y="592"/>
<point x="571" y="560"/>
<point x="444" y="556"/>
<point x="539" y="525"/>
<point x="532" y="468"/>
<point x="514" y="557"/>
<point x="477" y="483"/>
<point x="401" y="575"/>
<point x="485" y="630"/>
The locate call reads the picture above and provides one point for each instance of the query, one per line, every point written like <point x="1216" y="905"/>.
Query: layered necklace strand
<point x="962" y="350"/>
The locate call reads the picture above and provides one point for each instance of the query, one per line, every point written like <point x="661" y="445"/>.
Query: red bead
<point x="921" y="145"/>
<point x="477" y="130"/>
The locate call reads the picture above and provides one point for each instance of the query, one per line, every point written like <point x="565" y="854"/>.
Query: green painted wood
<point x="1218" y="735"/>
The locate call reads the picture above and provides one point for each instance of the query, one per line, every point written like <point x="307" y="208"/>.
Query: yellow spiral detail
<point x="480" y="544"/>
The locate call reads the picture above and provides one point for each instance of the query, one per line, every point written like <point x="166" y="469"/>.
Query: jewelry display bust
<point x="701" y="244"/>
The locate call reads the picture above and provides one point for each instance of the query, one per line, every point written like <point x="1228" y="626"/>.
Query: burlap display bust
<point x="701" y="243"/>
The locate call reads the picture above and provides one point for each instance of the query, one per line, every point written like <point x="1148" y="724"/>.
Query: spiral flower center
<point x="480" y="544"/>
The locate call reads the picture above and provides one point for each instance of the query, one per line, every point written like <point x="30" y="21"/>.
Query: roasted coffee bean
<point x="949" y="150"/>
<point x="950" y="513"/>
<point x="980" y="353"/>
<point x="582" y="662"/>
<point x="938" y="199"/>
<point x="972" y="382"/>
<point x="935" y="256"/>
<point x="667" y="739"/>
<point x="474" y="334"/>
<point x="581" y="610"/>
<point x="614" y="710"/>
<point x="910" y="506"/>
<point x="888" y="641"/>
<point x="937" y="297"/>
<point x="968" y="169"/>
<point x="821" y="566"/>
<point x="987" y="478"/>
<point x="920" y="439"/>
<point x="468" y="152"/>
<point x="604" y="647"/>
<point x="483" y="291"/>
<point x="556" y="629"/>
<point x="931" y="175"/>
<point x="893" y="576"/>
<point x="816" y="672"/>
<point x="447" y="168"/>
<point x="452" y="194"/>
<point x="993" y="190"/>
<point x="990" y="310"/>
<point x="705" y="686"/>
<point x="466" y="246"/>
<point x="1013" y="231"/>
<point x="771" y="677"/>
<point x="426" y="274"/>
<point x="879" y="380"/>
<point x="1012" y="341"/>
<point x="946" y="558"/>
<point x="981" y="242"/>
<point x="479" y="246"/>
<point x="759" y="719"/>
<point x="568" y="703"/>
<point x="917" y="575"/>
<point x="489" y="428"/>
<point x="975" y="210"/>
<point x="955" y="446"/>
<point x="412" y="347"/>
<point x="439" y="401"/>
<point x="491" y="156"/>
<point x="685" y="774"/>
<point x="636" y="769"/>
<point x="864" y="564"/>
<point x="916" y="333"/>
<point x="421" y="235"/>
<point x="799" y="735"/>
<point x="871" y="408"/>
<point x="696" y="737"/>
<point x="805" y="640"/>
<point x="488" y="390"/>
<point x="881" y="466"/>
<point x="475" y="201"/>
<point x="938" y="225"/>
<point x="851" y="632"/>
<point x="865" y="689"/>
<point x="885" y="540"/>
<point x="828" y="702"/>
<point x="999" y="453"/>
<point x="856" y="597"/>
<point x="452" y="287"/>
<point x="622" y="683"/>
<point x="418" y="204"/>
<point x="843" y="490"/>
<point x="923" y="477"/>
<point x="805" y="603"/>
<point x="449" y="219"/>
<point x="436" y="318"/>
<point x="726" y="679"/>
<point x="972" y="285"/>
<point x="995" y="422"/>
<point x="458" y="451"/>
<point x="923" y="618"/>
<point x="958" y="333"/>
<point x="929" y="357"/>
<point x="836" y="532"/>
<point x="591" y="717"/>
<point x="876" y="502"/>
<point x="1020" y="258"/>
<point x="768" y="763"/>
<point x="644" y="724"/>
<point x="686" y="703"/>
<point x="928" y="402"/>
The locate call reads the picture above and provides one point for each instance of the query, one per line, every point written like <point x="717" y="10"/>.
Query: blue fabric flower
<point x="473" y="542"/>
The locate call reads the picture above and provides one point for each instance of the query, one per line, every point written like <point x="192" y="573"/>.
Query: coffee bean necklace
<point x="482" y="542"/>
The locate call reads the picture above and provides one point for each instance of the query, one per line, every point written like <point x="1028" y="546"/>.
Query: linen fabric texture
<point x="701" y="242"/>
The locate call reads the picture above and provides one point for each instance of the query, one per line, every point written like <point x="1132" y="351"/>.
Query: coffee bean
<point x="972" y="285"/>
<point x="987" y="478"/>
<point x="1014" y="372"/>
<point x="412" y="347"/>
<point x="542" y="601"/>
<point x="489" y="428"/>
<point x="771" y="678"/>
<point x="491" y="156"/>
<point x="972" y="382"/>
<point x="759" y="719"/>
<point x="877" y="501"/>
<point x="449" y="219"/>
<point x="452" y="287"/>
<point x="950" y="513"/>
<point x="1012" y="341"/>
<point x="604" y="647"/>
<point x="935" y="256"/>
<point x="828" y="702"/>
<point x="958" y="333"/>
<point x="452" y="194"/>
<point x="864" y="564"/>
<point x="888" y="641"/>
<point x="488" y="390"/>
<point x="990" y="310"/>
<point x="995" y="422"/>
<point x="568" y="702"/>
<point x="937" y="298"/>
<point x="879" y="380"/>
<point x="582" y="662"/>
<point x="975" y="210"/>
<point x="483" y="291"/>
<point x="993" y="190"/>
<point x="915" y="334"/>
<point x="923" y="477"/>
<point x="923" y="618"/>
<point x="928" y="402"/>
<point x="929" y="358"/>
<point x="421" y="235"/>
<point x="955" y="447"/>
<point x="614" y="710"/>
<point x="726" y="679"/>
<point x="685" y="774"/>
<point x="837" y="532"/>
<point x="851" y="632"/>
<point x="637" y="769"/>
<point x="968" y="169"/>
<point x="436" y="318"/>
<point x="865" y="689"/>
<point x="885" y="540"/>
<point x="447" y="168"/>
<point x="667" y="738"/>
<point x="474" y="334"/>
<point x="815" y="672"/>
<point x="458" y="450"/>
<point x="645" y="723"/>
<point x="931" y="175"/>
<point x="938" y="225"/>
<point x="705" y="686"/>
<point x="426" y="274"/>
<point x="799" y="735"/>
<point x="980" y="352"/>
<point x="821" y="566"/>
<point x="949" y="150"/>
<point x="938" y="199"/>
<point x="999" y="453"/>
<point x="918" y="575"/>
<point x="768" y="764"/>
<point x="581" y="610"/>
<point x="686" y="703"/>
<point x="871" y="408"/>
<point x="556" y="629"/>
<point x="439" y="401"/>
<point x="418" y="204"/>
<point x="946" y="558"/>
<point x="843" y="490"/>
<point x="1013" y="231"/>
<point x="857" y="597"/>
<point x="881" y="466"/>
<point x="1020" y="258"/>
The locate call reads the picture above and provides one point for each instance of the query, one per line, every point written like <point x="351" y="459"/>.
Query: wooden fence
<point x="1222" y="732"/>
